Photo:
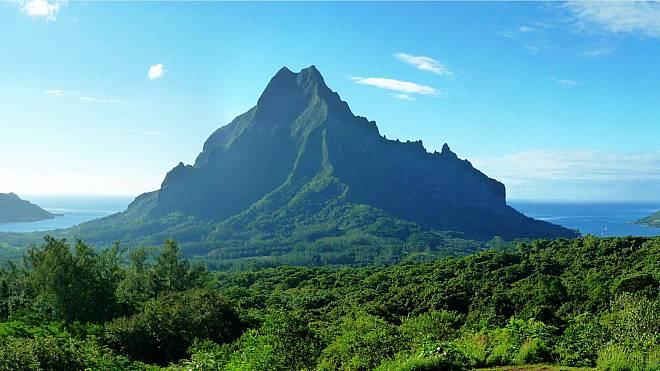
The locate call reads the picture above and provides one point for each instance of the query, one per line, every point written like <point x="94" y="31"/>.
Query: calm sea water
<point x="74" y="210"/>
<point x="597" y="218"/>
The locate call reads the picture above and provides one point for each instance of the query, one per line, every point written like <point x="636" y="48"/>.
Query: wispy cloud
<point x="533" y="39"/>
<point x="567" y="83"/>
<point x="404" y="96"/>
<point x="537" y="165"/>
<point x="618" y="17"/>
<point x="43" y="8"/>
<point x="80" y="97"/>
<point x="148" y="132"/>
<point x="599" y="51"/>
<point x="156" y="71"/>
<point x="54" y="93"/>
<point x="526" y="29"/>
<point x="76" y="182"/>
<point x="424" y="63"/>
<point x="508" y="34"/>
<point x="101" y="100"/>
<point x="403" y="87"/>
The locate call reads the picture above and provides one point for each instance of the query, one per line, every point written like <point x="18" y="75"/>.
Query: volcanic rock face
<point x="299" y="167"/>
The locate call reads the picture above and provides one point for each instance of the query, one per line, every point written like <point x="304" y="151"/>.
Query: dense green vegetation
<point x="652" y="220"/>
<point x="584" y="302"/>
<point x="365" y="236"/>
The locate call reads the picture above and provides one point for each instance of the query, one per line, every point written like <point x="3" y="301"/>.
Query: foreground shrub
<point x="168" y="326"/>
<point x="284" y="342"/>
<point x="52" y="353"/>
<point x="363" y="343"/>
<point x="474" y="346"/>
<point x="581" y="342"/>
<point x="634" y="321"/>
<point x="520" y="342"/>
<point x="434" y="326"/>
<point x="621" y="358"/>
<point x="442" y="356"/>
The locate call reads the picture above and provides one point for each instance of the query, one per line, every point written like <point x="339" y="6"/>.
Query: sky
<point x="556" y="100"/>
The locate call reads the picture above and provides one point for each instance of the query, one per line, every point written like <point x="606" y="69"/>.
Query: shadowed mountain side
<point x="14" y="210"/>
<point x="300" y="168"/>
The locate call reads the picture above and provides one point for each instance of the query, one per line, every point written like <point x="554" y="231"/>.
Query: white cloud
<point x="508" y="34"/>
<point x="618" y="17"/>
<point x="526" y="29"/>
<point x="591" y="165"/>
<point x="576" y="174"/>
<point x="404" y="96"/>
<point x="567" y="83"/>
<point x="149" y="132"/>
<point x="43" y="8"/>
<point x="101" y="100"/>
<point x="404" y="87"/>
<point x="77" y="182"/>
<point x="54" y="92"/>
<point x="599" y="51"/>
<point x="424" y="63"/>
<point x="156" y="71"/>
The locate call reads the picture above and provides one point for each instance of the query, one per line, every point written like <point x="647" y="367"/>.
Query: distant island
<point x="652" y="220"/>
<point x="14" y="210"/>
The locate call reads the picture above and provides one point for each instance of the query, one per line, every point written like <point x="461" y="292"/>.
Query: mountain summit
<point x="300" y="167"/>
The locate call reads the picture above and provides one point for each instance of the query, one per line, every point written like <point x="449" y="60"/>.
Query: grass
<point x="535" y="368"/>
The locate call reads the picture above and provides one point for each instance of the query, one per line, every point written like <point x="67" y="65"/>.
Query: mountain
<point x="652" y="220"/>
<point x="13" y="210"/>
<point x="299" y="172"/>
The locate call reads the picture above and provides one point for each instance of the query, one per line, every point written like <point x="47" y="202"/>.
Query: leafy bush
<point x="284" y="342"/>
<point x="167" y="326"/>
<point x="634" y="321"/>
<point x="474" y="346"/>
<point x="520" y="342"/>
<point x="582" y="340"/>
<point x="74" y="286"/>
<point x="63" y="353"/>
<point x="363" y="342"/>
<point x="434" y="326"/>
<point x="621" y="358"/>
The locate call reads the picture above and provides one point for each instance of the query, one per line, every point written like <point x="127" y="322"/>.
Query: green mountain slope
<point x="14" y="210"/>
<point x="652" y="220"/>
<point x="299" y="172"/>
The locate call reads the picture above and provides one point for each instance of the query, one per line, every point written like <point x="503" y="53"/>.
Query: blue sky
<point x="557" y="100"/>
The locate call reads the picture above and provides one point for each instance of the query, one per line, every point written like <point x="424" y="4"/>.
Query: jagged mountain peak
<point x="289" y="93"/>
<point x="289" y="84"/>
<point x="300" y="157"/>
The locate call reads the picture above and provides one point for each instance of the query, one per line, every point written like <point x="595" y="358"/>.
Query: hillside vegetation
<point x="582" y="303"/>
<point x="652" y="220"/>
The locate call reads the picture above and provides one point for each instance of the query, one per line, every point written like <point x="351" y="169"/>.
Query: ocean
<point x="596" y="218"/>
<point x="74" y="210"/>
